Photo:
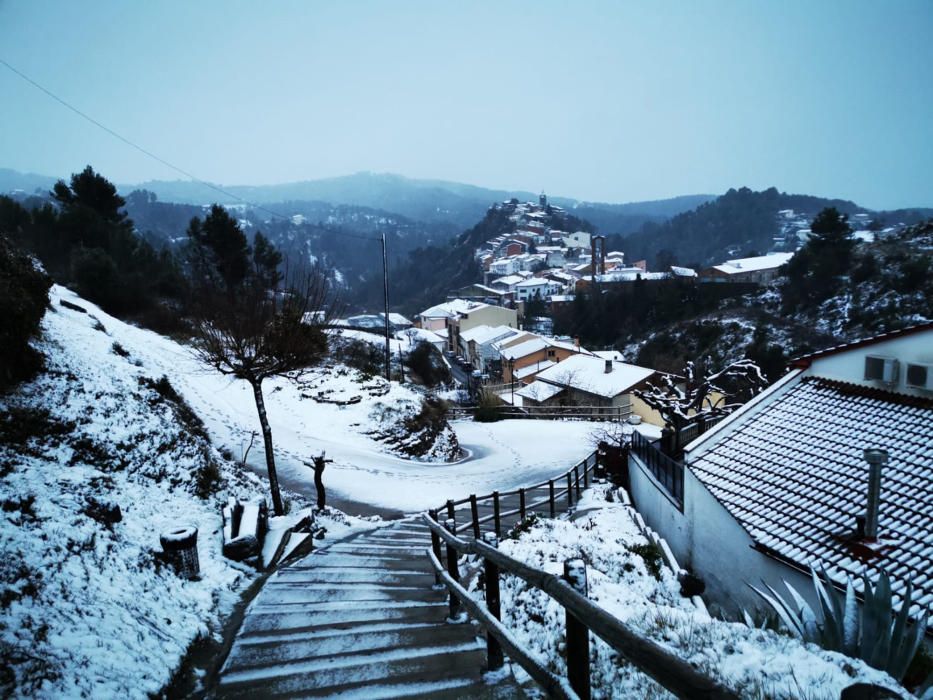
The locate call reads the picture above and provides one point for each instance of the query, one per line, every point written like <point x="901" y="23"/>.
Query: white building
<point x="504" y="266"/>
<point x="535" y="287"/>
<point x="782" y="484"/>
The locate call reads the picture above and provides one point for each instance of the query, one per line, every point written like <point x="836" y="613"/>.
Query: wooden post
<point x="451" y="514"/>
<point x="578" y="636"/>
<point x="576" y="478"/>
<point x="569" y="490"/>
<point x="454" y="570"/>
<point x="586" y="474"/>
<point x="550" y="485"/>
<point x="495" y="513"/>
<point x="494" y="657"/>
<point x="436" y="548"/>
<point x="521" y="504"/>
<point x="474" y="512"/>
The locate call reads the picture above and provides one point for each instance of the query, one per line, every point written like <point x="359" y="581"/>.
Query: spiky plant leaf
<point x="911" y="643"/>
<point x="900" y="626"/>
<point x="784" y="611"/>
<point x="831" y="626"/>
<point x="850" y="622"/>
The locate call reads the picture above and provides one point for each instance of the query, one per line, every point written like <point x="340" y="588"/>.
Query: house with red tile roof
<point x="831" y="466"/>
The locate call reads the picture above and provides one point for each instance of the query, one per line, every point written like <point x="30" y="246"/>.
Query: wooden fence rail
<point x="594" y="413"/>
<point x="566" y="487"/>
<point x="668" y="670"/>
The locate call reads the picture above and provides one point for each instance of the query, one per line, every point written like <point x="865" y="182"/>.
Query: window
<point x="874" y="368"/>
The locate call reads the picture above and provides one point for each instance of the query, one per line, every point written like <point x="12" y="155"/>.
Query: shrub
<point x="427" y="362"/>
<point x="487" y="408"/>
<point x="24" y="296"/>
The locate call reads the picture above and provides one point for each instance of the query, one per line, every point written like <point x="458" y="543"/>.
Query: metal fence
<point x="669" y="473"/>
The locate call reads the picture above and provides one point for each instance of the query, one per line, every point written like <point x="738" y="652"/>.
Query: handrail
<point x="667" y="669"/>
<point x="584" y="463"/>
<point x="555" y="685"/>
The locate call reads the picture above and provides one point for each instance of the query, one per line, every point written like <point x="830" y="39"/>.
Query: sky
<point x="601" y="101"/>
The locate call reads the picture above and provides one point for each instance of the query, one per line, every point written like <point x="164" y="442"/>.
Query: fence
<point x="668" y="472"/>
<point x="582" y="616"/>
<point x="696" y="427"/>
<point x="596" y="413"/>
<point x="495" y="511"/>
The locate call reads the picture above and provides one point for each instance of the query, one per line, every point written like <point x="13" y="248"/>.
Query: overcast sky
<point x="614" y="101"/>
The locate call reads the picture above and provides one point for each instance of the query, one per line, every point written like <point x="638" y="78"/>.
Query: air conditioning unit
<point x="919" y="376"/>
<point x="881" y="369"/>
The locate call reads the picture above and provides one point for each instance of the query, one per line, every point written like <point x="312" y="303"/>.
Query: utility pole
<point x="385" y="283"/>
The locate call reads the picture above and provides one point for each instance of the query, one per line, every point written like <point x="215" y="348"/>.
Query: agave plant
<point x="869" y="631"/>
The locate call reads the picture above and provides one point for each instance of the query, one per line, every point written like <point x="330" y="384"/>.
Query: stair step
<point x="346" y="645"/>
<point x="301" y="594"/>
<point x="276" y="619"/>
<point x="405" y="577"/>
<point x="432" y="663"/>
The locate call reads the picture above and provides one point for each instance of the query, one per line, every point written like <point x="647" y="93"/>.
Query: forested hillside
<point x="835" y="289"/>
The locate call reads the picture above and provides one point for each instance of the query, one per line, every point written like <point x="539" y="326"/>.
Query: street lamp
<point x="511" y="362"/>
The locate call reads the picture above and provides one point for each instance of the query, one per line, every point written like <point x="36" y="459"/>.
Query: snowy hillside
<point x="87" y="608"/>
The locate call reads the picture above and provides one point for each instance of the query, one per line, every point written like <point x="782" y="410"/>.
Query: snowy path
<point x="503" y="455"/>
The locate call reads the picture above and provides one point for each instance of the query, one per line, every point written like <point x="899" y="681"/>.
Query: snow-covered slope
<point x="316" y="414"/>
<point x="87" y="608"/>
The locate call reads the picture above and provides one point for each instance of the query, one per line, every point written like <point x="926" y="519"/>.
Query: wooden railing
<point x="582" y="616"/>
<point x="598" y="413"/>
<point x="667" y="472"/>
<point x="552" y="496"/>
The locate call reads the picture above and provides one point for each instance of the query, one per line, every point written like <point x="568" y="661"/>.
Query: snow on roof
<point x="397" y="319"/>
<point x="451" y="308"/>
<point x="421" y="334"/>
<point x="523" y="349"/>
<point x="793" y="474"/>
<point x="486" y="334"/>
<point x="609" y="355"/>
<point x="534" y="282"/>
<point x="539" y="391"/>
<point x="509" y="280"/>
<point x="588" y="373"/>
<point x="533" y="369"/>
<point x="756" y="264"/>
<point x="683" y="271"/>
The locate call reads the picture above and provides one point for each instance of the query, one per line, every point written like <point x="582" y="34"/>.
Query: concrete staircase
<point x="358" y="619"/>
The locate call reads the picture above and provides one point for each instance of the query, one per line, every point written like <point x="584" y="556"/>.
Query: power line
<point x="152" y="155"/>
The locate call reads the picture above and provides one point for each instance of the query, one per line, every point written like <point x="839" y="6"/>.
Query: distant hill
<point x="431" y="201"/>
<point x="11" y="180"/>
<point x="740" y="222"/>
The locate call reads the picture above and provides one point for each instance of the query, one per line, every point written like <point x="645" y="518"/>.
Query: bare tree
<point x="256" y="324"/>
<point x="705" y="396"/>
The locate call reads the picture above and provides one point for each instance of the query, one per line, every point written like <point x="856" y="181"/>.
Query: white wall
<point x="849" y="366"/>
<point x="708" y="540"/>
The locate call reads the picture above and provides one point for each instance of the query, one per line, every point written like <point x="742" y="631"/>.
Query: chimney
<point x="608" y="366"/>
<point x="876" y="459"/>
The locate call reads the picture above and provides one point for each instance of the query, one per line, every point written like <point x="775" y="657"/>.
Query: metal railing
<point x="668" y="472"/>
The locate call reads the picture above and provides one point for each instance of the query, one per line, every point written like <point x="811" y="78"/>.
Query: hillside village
<point x="649" y="481"/>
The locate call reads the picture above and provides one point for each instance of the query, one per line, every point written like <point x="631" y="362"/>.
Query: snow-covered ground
<point x="87" y="606"/>
<point x="499" y="455"/>
<point x="756" y="663"/>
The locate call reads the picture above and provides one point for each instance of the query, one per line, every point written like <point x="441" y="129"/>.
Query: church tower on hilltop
<point x="542" y="200"/>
